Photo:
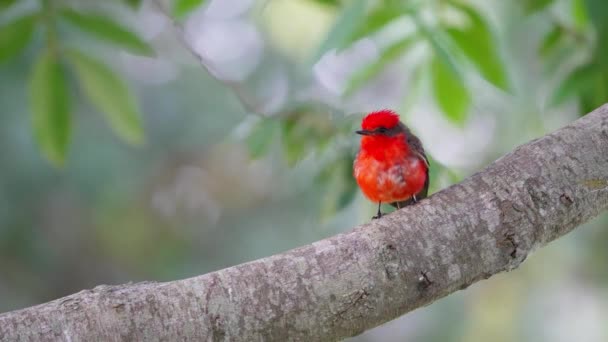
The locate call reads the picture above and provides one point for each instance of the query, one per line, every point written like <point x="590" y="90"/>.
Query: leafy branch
<point x="452" y="48"/>
<point x="49" y="87"/>
<point x="460" y="38"/>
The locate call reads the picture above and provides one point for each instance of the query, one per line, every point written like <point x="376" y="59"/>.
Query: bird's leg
<point x="379" y="214"/>
<point x="414" y="199"/>
<point x="398" y="205"/>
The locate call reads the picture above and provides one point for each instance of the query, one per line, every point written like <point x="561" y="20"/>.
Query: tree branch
<point x="354" y="281"/>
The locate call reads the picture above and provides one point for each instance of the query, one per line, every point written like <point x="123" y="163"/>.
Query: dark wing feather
<point x="416" y="147"/>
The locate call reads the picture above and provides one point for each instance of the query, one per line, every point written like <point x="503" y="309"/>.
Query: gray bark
<point x="354" y="281"/>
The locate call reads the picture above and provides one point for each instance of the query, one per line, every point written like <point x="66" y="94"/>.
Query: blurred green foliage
<point x="49" y="95"/>
<point x="456" y="31"/>
<point x="183" y="7"/>
<point x="216" y="184"/>
<point x="106" y="29"/>
<point x="50" y="107"/>
<point x="468" y="40"/>
<point x="109" y="94"/>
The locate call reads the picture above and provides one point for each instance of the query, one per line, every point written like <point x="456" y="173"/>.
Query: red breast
<point x="387" y="172"/>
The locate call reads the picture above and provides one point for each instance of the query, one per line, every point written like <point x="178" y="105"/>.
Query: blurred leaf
<point x="450" y="92"/>
<point x="579" y="13"/>
<point x="107" y="29"/>
<point x="346" y="23"/>
<point x="261" y="137"/>
<point x="295" y="143"/>
<point x="595" y="94"/>
<point x="550" y="41"/>
<point x="391" y="53"/>
<point x="598" y="13"/>
<point x="531" y="6"/>
<point x="447" y="77"/>
<point x="182" y="7"/>
<point x="50" y="107"/>
<point x="339" y="184"/>
<point x="415" y="83"/>
<point x="15" y="35"/>
<point x="324" y="141"/>
<point x="377" y="19"/>
<point x="110" y="95"/>
<point x="6" y="3"/>
<point x="580" y="80"/>
<point x="133" y="3"/>
<point x="383" y="15"/>
<point x="329" y="2"/>
<point x="553" y="62"/>
<point x="349" y="187"/>
<point x="440" y="46"/>
<point x="435" y="171"/>
<point x="478" y="44"/>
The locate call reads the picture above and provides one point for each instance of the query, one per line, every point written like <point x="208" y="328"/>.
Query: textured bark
<point x="354" y="281"/>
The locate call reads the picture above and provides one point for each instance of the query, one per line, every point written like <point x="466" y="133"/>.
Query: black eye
<point x="382" y="130"/>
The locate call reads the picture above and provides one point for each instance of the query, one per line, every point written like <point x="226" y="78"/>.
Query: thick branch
<point x="354" y="281"/>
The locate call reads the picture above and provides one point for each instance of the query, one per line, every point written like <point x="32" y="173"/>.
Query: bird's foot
<point x="379" y="215"/>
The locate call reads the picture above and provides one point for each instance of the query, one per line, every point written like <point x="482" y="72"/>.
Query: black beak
<point x="364" y="132"/>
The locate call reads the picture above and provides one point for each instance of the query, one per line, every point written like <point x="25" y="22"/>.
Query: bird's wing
<point x="417" y="149"/>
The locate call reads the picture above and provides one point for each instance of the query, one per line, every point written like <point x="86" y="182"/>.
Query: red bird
<point x="391" y="166"/>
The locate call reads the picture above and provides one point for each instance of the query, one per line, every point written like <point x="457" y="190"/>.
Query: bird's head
<point x="382" y="123"/>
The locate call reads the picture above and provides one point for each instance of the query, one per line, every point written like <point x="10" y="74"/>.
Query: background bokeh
<point x="225" y="134"/>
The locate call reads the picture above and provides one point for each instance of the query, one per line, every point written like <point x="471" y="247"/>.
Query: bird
<point x="391" y="165"/>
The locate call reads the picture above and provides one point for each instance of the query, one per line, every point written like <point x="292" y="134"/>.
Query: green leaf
<point x="580" y="80"/>
<point x="391" y="53"/>
<point x="294" y="141"/>
<point x="478" y="44"/>
<point x="108" y="30"/>
<point x="182" y="7"/>
<point x="329" y="2"/>
<point x="598" y="13"/>
<point x="110" y="95"/>
<point x="377" y="19"/>
<point x="596" y="94"/>
<point x="6" y="3"/>
<point x="49" y="99"/>
<point x="550" y="41"/>
<point x="450" y="92"/>
<point x="344" y="26"/>
<point x="447" y="77"/>
<point x="261" y="137"/>
<point x="383" y="15"/>
<point x="301" y="133"/>
<point x="579" y="13"/>
<point x="133" y="3"/>
<point x="440" y="44"/>
<point x="532" y="6"/>
<point x="15" y="35"/>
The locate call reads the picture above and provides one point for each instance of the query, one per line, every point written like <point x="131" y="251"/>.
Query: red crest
<point x="382" y="118"/>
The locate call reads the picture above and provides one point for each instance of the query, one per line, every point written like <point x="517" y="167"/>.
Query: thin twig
<point x="248" y="103"/>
